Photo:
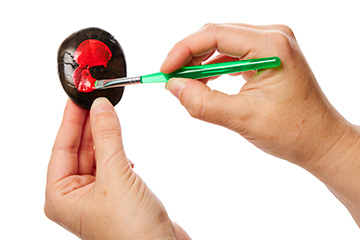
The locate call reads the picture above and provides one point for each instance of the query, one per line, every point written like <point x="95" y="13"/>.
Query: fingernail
<point x="175" y="86"/>
<point x="101" y="105"/>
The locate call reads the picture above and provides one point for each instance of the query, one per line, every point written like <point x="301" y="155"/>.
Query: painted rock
<point x="86" y="56"/>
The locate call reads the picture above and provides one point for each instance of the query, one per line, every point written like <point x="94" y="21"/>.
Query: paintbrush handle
<point x="215" y="69"/>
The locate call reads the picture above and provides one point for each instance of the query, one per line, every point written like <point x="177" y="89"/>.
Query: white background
<point x="212" y="182"/>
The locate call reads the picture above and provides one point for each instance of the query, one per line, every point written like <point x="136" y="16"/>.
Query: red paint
<point x="89" y="53"/>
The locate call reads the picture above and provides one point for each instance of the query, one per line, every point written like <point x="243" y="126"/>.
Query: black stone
<point x="116" y="67"/>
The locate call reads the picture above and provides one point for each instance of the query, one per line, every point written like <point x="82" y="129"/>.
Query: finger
<point x="198" y="60"/>
<point x="64" y="158"/>
<point x="86" y="150"/>
<point x="106" y="133"/>
<point x="221" y="58"/>
<point x="224" y="58"/>
<point x="231" y="40"/>
<point x="217" y="59"/>
<point x="248" y="75"/>
<point x="274" y="27"/>
<point x="208" y="105"/>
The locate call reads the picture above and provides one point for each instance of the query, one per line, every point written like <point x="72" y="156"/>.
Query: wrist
<point x="332" y="152"/>
<point x="321" y="143"/>
<point x="329" y="148"/>
<point x="341" y="174"/>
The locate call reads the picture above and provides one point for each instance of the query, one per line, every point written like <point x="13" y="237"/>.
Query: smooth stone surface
<point x="116" y="67"/>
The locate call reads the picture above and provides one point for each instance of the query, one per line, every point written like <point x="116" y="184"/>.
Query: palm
<point x="104" y="201"/>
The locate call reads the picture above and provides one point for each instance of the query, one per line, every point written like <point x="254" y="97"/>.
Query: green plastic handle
<point x="215" y="69"/>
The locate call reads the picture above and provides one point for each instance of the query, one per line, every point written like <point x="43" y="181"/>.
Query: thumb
<point x="205" y="104"/>
<point x="106" y="132"/>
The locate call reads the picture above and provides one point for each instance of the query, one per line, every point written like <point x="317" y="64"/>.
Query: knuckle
<point x="213" y="27"/>
<point x="286" y="30"/>
<point x="196" y="109"/>
<point x="104" y="132"/>
<point x="207" y="25"/>
<point x="282" y="41"/>
<point x="282" y="28"/>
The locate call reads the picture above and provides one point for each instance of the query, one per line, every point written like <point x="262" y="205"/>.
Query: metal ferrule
<point x="117" y="82"/>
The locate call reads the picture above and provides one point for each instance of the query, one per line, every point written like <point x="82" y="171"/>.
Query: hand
<point x="91" y="188"/>
<point x="282" y="111"/>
